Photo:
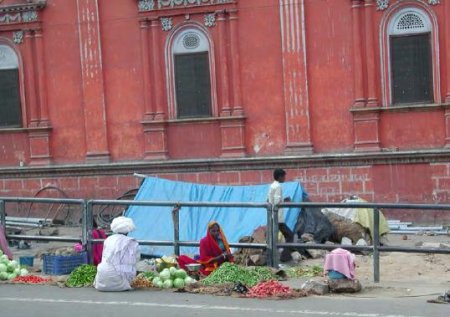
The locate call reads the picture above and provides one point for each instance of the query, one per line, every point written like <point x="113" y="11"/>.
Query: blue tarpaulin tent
<point x="155" y="223"/>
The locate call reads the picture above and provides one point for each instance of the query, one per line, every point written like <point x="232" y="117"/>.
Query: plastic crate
<point x="26" y="261"/>
<point x="61" y="264"/>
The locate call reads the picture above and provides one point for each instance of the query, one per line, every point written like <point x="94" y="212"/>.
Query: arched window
<point x="10" y="109"/>
<point x="190" y="74"/>
<point x="411" y="47"/>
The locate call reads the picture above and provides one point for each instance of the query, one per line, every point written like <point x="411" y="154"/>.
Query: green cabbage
<point x="156" y="280"/>
<point x="173" y="271"/>
<point x="168" y="284"/>
<point x="189" y="280"/>
<point x="3" y="276"/>
<point x="3" y="267"/>
<point x="1" y="252"/>
<point x="4" y="259"/>
<point x="165" y="275"/>
<point x="10" y="268"/>
<point x="181" y="274"/>
<point x="178" y="283"/>
<point x="23" y="272"/>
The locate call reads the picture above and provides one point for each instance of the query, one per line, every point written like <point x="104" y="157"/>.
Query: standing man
<point x="274" y="197"/>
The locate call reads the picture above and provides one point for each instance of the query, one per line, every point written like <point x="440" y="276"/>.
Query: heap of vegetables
<point x="304" y="271"/>
<point x="269" y="289"/>
<point x="143" y="280"/>
<point x="232" y="273"/>
<point x="82" y="276"/>
<point x="9" y="270"/>
<point x="32" y="279"/>
<point x="172" y="278"/>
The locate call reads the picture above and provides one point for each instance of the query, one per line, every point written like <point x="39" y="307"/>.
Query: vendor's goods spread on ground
<point x="232" y="273"/>
<point x="82" y="276"/>
<point x="31" y="279"/>
<point x="172" y="278"/>
<point x="270" y="289"/>
<point x="9" y="270"/>
<point x="304" y="271"/>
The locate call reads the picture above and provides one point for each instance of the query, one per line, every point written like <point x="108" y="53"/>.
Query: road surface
<point x="51" y="301"/>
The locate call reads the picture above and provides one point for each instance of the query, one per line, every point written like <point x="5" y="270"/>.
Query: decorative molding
<point x="210" y="20"/>
<point x="146" y="5"/>
<point x="18" y="37"/>
<point x="20" y="17"/>
<point x="166" y="24"/>
<point x="150" y="5"/>
<point x="29" y="16"/>
<point x="384" y="4"/>
<point x="235" y="164"/>
<point x="14" y="8"/>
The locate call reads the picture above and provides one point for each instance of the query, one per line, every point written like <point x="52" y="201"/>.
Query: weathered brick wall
<point x="407" y="183"/>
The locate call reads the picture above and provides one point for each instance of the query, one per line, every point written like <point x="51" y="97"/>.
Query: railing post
<point x="84" y="233"/>
<point x="2" y="214"/>
<point x="275" y="256"/>
<point x="269" y="236"/>
<point x="376" y="244"/>
<point x="88" y="231"/>
<point x="176" y="229"/>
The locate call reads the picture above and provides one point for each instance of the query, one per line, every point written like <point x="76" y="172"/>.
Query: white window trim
<point x="388" y="23"/>
<point x="174" y="45"/>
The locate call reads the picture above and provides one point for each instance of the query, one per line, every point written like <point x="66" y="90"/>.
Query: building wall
<point x="298" y="84"/>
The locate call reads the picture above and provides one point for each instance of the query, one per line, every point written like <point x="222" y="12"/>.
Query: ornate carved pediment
<point x="20" y="11"/>
<point x="384" y="4"/>
<point x="152" y="5"/>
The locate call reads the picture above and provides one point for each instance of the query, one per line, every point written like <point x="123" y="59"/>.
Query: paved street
<point x="45" y="301"/>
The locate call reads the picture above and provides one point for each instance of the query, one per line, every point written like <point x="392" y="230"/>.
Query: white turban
<point x="122" y="225"/>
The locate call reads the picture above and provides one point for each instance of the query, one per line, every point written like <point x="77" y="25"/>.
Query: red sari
<point x="97" y="248"/>
<point x="209" y="249"/>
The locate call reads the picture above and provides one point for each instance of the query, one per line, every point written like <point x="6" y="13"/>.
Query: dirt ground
<point x="402" y="274"/>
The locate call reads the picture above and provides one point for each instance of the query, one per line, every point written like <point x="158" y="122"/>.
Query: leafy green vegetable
<point x="178" y="283"/>
<point x="165" y="275"/>
<point x="148" y="275"/>
<point x="232" y="273"/>
<point x="304" y="271"/>
<point x="181" y="274"/>
<point x="189" y="280"/>
<point x="82" y="276"/>
<point x="168" y="284"/>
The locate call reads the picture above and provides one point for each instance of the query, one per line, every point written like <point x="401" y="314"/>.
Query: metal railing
<point x="271" y="245"/>
<point x="84" y="235"/>
<point x="376" y="248"/>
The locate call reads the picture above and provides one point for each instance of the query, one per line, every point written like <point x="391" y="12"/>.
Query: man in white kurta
<point x="120" y="254"/>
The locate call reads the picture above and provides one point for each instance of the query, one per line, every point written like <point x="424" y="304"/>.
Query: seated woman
<point x="214" y="250"/>
<point x="120" y="254"/>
